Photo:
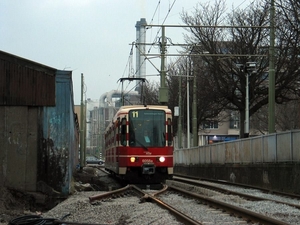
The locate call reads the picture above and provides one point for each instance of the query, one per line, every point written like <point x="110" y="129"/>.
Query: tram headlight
<point x="161" y="159"/>
<point x="133" y="159"/>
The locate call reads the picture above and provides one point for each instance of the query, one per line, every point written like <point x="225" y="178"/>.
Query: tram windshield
<point x="147" y="128"/>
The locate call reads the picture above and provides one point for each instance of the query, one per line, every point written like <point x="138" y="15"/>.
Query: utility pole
<point x="84" y="132"/>
<point x="250" y="68"/>
<point x="180" y="115"/>
<point x="271" y="122"/>
<point x="82" y="119"/>
<point x="163" y="90"/>
<point x="188" y="106"/>
<point x="246" y="129"/>
<point x="194" y="112"/>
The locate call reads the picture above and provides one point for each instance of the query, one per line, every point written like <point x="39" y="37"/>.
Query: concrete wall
<point x="270" y="160"/>
<point x="18" y="146"/>
<point x="282" y="177"/>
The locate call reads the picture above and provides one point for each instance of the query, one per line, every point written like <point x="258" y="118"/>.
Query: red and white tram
<point x="139" y="144"/>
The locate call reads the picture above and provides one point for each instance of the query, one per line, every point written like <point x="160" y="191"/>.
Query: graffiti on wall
<point x="15" y="138"/>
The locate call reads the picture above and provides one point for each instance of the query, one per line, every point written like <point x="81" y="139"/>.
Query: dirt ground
<point x="14" y="203"/>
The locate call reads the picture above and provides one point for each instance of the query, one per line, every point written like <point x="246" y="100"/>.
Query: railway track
<point x="282" y="206"/>
<point x="231" y="214"/>
<point x="234" y="214"/>
<point x="256" y="194"/>
<point x="245" y="186"/>
<point x="145" y="196"/>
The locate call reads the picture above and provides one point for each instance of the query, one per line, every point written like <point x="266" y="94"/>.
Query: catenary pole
<point x="84" y="132"/>
<point x="246" y="128"/>
<point x="81" y="126"/>
<point x="271" y="118"/>
<point x="163" y="90"/>
<point x="188" y="107"/>
<point x="194" y="112"/>
<point x="180" y="114"/>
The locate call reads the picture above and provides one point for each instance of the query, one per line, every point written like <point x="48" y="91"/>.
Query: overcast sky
<point x="88" y="36"/>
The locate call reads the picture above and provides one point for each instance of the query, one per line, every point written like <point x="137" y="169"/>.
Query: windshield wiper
<point x="141" y="144"/>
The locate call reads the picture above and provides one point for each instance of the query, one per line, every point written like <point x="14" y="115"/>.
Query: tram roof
<point x="128" y="107"/>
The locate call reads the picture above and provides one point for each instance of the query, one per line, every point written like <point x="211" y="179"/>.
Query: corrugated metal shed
<point x="60" y="138"/>
<point x="24" y="82"/>
<point x="39" y="136"/>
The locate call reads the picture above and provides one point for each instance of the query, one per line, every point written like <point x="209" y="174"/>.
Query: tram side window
<point x="170" y="135"/>
<point x="123" y="132"/>
<point x="131" y="134"/>
<point x="115" y="132"/>
<point x="109" y="137"/>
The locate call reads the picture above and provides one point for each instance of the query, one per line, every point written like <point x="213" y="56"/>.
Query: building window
<point x="211" y="124"/>
<point x="234" y="120"/>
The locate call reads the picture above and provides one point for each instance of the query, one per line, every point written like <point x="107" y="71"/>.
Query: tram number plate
<point x="147" y="161"/>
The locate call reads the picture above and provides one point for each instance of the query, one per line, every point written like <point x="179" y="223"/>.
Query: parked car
<point x="93" y="160"/>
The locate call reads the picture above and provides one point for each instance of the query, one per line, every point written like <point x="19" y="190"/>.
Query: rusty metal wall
<point x="25" y="83"/>
<point x="18" y="147"/>
<point x="273" y="148"/>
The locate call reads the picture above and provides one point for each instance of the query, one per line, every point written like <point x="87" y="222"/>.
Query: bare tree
<point x="287" y="117"/>
<point x="151" y="93"/>
<point x="180" y="76"/>
<point x="246" y="41"/>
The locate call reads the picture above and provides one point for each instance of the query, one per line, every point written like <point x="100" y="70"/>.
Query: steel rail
<point x="110" y="193"/>
<point x="234" y="209"/>
<point x="254" y="187"/>
<point x="264" y="190"/>
<point x="224" y="190"/>
<point x="149" y="197"/>
<point x="181" y="216"/>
